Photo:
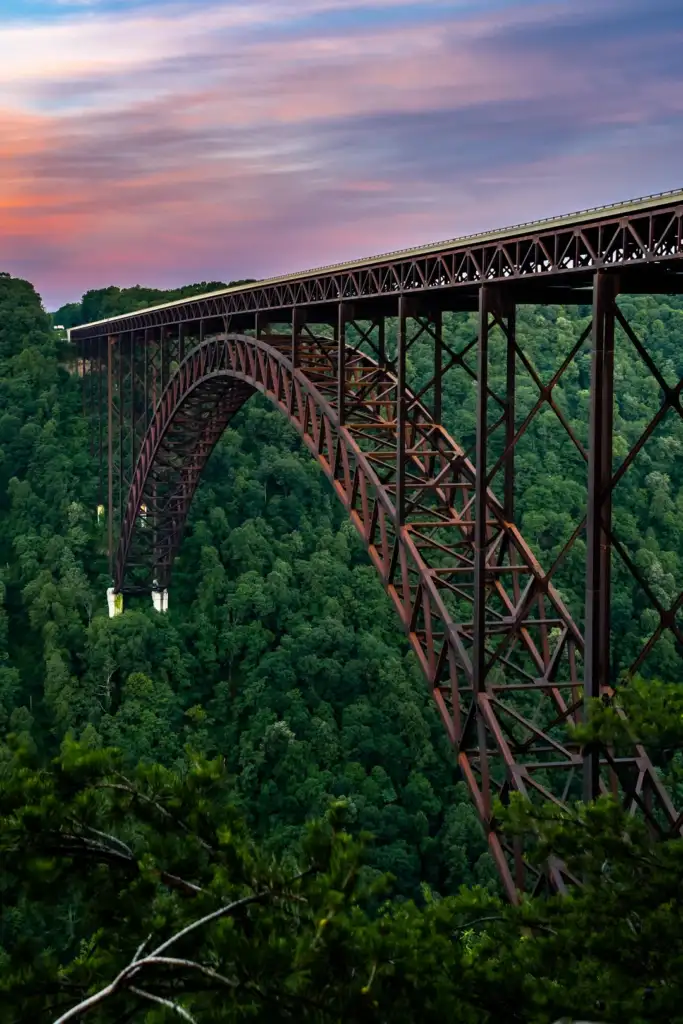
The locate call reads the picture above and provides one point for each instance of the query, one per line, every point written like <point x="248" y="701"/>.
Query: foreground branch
<point x="139" y="963"/>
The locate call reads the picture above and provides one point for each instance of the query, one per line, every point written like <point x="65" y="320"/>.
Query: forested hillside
<point x="280" y="654"/>
<point x="100" y="303"/>
<point x="280" y="651"/>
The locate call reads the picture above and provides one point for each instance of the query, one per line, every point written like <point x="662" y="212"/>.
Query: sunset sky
<point x="165" y="143"/>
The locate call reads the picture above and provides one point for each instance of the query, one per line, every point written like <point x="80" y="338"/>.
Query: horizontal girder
<point x="507" y="664"/>
<point x="482" y="616"/>
<point x="642" y="235"/>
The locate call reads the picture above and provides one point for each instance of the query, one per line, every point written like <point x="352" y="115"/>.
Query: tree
<point x="130" y="888"/>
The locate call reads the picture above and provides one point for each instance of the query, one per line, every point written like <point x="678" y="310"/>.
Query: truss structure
<point x="509" y="666"/>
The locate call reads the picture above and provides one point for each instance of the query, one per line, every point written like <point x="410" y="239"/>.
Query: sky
<point x="161" y="143"/>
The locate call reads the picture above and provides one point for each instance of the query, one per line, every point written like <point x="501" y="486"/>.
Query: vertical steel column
<point x="157" y="391"/>
<point x="401" y="410"/>
<point x="145" y="385"/>
<point x="487" y="297"/>
<point x="344" y="314"/>
<point x="381" y="341"/>
<point x="155" y="367"/>
<point x="81" y="362"/>
<point x="437" y="321"/>
<point x="133" y="432"/>
<point x="91" y="397"/>
<point x="599" y="513"/>
<point x="100" y="418"/>
<point x="110" y="449"/>
<point x="298" y="320"/>
<point x="120" y="399"/>
<point x="181" y="342"/>
<point x="163" y="357"/>
<point x="509" y="470"/>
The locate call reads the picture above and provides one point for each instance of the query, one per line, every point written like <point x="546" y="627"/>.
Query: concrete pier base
<point x="160" y="600"/>
<point x="115" y="603"/>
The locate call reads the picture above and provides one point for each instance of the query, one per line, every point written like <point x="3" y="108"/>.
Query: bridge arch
<point x="415" y="505"/>
<point x="425" y="557"/>
<point x="507" y="666"/>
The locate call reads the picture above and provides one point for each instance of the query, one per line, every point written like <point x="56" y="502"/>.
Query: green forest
<point x="247" y="809"/>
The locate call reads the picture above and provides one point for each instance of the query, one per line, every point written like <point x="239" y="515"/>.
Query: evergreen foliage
<point x="141" y="896"/>
<point x="101" y="303"/>
<point x="278" y="715"/>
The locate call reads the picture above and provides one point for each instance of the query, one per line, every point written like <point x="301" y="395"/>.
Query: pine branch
<point x="127" y="787"/>
<point x="82" y="846"/>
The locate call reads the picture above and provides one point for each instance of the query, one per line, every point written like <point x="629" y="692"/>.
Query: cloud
<point x="161" y="146"/>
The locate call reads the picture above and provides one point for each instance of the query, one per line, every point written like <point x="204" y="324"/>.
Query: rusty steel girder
<point x="484" y="620"/>
<point x="510" y="668"/>
<point x="539" y="257"/>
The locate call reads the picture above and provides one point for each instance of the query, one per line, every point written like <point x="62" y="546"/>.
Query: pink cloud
<point x="180" y="157"/>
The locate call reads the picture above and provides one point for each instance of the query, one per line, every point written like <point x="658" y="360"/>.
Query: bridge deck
<point x="482" y="615"/>
<point x="563" y="251"/>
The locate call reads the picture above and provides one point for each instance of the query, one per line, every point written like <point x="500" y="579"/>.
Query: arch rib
<point x="514" y="733"/>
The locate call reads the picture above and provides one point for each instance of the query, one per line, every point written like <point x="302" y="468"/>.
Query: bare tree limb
<point x="70" y="844"/>
<point x="140" y="948"/>
<point x="137" y="964"/>
<point x="91" y="1001"/>
<point x="112" y="839"/>
<point x="163" y="1002"/>
<point x="216" y="915"/>
<point x="476" y="921"/>
<point x="92" y="846"/>
<point x="222" y="912"/>
<point x="182" y="883"/>
<point x="172" y="961"/>
<point x="127" y="787"/>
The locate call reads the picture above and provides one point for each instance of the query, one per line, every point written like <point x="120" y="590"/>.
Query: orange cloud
<point x="199" y="144"/>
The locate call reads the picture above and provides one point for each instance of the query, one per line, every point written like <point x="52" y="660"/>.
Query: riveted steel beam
<point x="483" y="617"/>
<point x="599" y="513"/>
<point x="562" y="252"/>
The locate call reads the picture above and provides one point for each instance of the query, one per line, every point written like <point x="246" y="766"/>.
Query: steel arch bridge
<point x="509" y="667"/>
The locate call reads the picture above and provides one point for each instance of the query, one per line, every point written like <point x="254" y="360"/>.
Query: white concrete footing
<point x="115" y="602"/>
<point x="160" y="600"/>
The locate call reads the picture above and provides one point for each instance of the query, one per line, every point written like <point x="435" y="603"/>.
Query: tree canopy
<point x="100" y="303"/>
<point x="277" y="714"/>
<point x="130" y="891"/>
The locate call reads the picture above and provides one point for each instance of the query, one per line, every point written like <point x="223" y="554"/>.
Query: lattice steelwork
<point x="509" y="667"/>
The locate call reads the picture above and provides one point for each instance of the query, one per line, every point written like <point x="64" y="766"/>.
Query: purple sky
<point x="163" y="143"/>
